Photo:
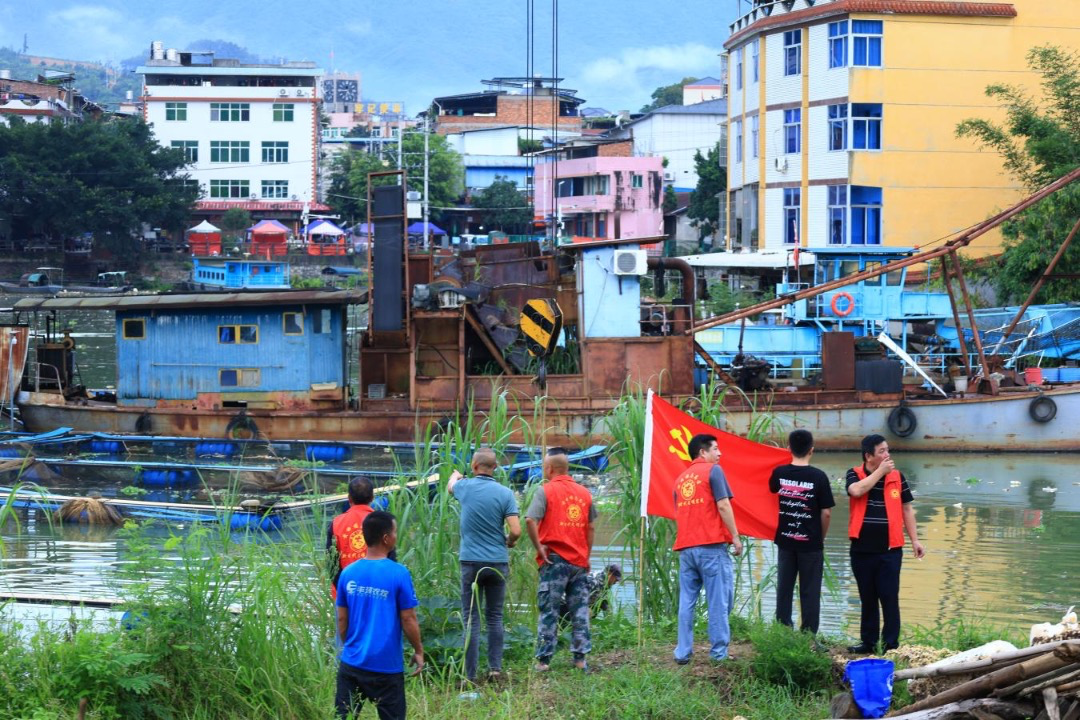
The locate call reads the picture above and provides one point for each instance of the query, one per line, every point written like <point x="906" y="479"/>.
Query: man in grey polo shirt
<point x="485" y="561"/>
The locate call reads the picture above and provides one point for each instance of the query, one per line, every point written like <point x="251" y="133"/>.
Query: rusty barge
<point x="444" y="338"/>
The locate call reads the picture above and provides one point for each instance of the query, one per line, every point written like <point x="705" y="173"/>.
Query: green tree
<point x="1039" y="142"/>
<point x="349" y="177"/>
<point x="671" y="200"/>
<point x="234" y="222"/>
<point x="704" y="210"/>
<point x="509" y="208"/>
<point x="104" y="178"/>
<point x="668" y="94"/>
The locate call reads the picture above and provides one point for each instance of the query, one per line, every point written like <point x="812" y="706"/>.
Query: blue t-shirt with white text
<point x="375" y="592"/>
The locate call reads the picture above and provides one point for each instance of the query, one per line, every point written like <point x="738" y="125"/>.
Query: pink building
<point x="595" y="192"/>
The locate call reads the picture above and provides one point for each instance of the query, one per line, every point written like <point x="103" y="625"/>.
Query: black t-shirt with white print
<point x="804" y="492"/>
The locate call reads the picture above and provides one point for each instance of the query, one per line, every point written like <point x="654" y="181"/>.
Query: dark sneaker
<point x="860" y="649"/>
<point x="683" y="661"/>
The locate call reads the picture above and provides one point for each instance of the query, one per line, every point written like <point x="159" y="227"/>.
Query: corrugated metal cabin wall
<point x="181" y="357"/>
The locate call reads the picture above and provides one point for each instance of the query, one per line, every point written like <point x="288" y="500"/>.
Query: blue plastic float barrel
<point x="202" y="449"/>
<point x="254" y="521"/>
<point x="10" y="453"/>
<point x="168" y="478"/>
<point x="327" y="453"/>
<point x="106" y="447"/>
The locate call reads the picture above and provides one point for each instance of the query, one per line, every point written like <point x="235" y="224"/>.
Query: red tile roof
<point x="896" y="7"/>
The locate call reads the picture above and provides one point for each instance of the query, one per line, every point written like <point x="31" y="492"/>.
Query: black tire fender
<point x="1042" y="409"/>
<point x="241" y="423"/>
<point x="902" y="421"/>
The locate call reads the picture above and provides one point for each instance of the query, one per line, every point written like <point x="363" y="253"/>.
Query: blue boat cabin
<point x="260" y="351"/>
<point x="234" y="274"/>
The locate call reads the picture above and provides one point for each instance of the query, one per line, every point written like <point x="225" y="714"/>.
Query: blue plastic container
<point x="871" y="683"/>
<point x="254" y="521"/>
<point x="1051" y="374"/>
<point x="168" y="478"/>
<point x="106" y="447"/>
<point x="1069" y="374"/>
<point x="204" y="449"/>
<point x="10" y="453"/>
<point x="327" y="453"/>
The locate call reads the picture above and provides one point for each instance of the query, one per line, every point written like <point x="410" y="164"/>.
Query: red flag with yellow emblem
<point x="746" y="464"/>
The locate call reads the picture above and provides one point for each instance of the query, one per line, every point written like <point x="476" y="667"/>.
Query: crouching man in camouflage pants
<point x="560" y="522"/>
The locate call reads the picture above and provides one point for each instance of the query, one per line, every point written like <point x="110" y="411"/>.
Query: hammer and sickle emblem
<point x="681" y="448"/>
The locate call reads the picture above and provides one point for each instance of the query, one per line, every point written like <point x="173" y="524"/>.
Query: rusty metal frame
<point x="946" y="277"/>
<point x="405" y="243"/>
<point x="959" y="273"/>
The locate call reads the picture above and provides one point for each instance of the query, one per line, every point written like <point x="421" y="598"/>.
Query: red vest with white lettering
<point x="348" y="532"/>
<point x="565" y="527"/>
<point x="894" y="511"/>
<point x="697" y="520"/>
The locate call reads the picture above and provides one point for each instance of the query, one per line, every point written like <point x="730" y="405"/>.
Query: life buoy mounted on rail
<point x="849" y="307"/>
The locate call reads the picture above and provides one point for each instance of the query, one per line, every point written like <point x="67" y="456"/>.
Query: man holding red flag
<point x="705" y="527"/>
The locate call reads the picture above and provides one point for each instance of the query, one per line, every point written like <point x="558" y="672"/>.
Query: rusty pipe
<point x="689" y="282"/>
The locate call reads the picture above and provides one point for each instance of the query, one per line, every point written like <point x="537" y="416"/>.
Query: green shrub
<point x="787" y="657"/>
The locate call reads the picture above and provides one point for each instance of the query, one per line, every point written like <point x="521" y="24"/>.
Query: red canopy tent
<point x="204" y="239"/>
<point x="269" y="237"/>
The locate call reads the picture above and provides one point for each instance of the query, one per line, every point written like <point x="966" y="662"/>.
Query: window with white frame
<point x="866" y="126"/>
<point x="283" y="112"/>
<point x="755" y="57"/>
<point x="838" y="44"/>
<point x="736" y="128"/>
<point x="792" y="208"/>
<point x="230" y="112"/>
<point x="865" y="214"/>
<point x="866" y="36"/>
<point x="230" y="188"/>
<point x="793" y="52"/>
<point x="739" y="55"/>
<point x="754" y="122"/>
<point x="230" y="151"/>
<point x="275" y="152"/>
<point x="837" y="211"/>
<point x="176" y="111"/>
<point x="190" y="148"/>
<point x="838" y="118"/>
<point x="792" y="131"/>
<point x="275" y="189"/>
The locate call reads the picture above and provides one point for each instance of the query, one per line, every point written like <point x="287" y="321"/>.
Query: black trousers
<point x="878" y="578"/>
<point x="807" y="566"/>
<point x="386" y="690"/>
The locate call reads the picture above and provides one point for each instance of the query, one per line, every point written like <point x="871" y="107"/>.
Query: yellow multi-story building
<point x="843" y="114"/>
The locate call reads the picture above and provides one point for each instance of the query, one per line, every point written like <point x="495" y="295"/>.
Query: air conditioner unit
<point x="669" y="177"/>
<point x="630" y="262"/>
<point x="781" y="164"/>
<point x="253" y="196"/>
<point x="282" y="92"/>
<point x="413" y="196"/>
<point x="295" y="198"/>
<point x="299" y="93"/>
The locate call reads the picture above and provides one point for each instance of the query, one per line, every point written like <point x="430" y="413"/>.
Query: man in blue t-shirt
<point x="375" y="604"/>
<point x="485" y="560"/>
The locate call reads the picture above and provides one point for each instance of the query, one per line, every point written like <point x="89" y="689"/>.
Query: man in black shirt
<point x="881" y="512"/>
<point x="805" y="511"/>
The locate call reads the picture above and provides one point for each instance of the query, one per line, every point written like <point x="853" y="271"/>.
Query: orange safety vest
<point x="565" y="526"/>
<point x="348" y="532"/>
<point x="697" y="520"/>
<point x="894" y="511"/>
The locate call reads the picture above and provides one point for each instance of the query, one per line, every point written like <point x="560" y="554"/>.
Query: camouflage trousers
<point x="558" y="580"/>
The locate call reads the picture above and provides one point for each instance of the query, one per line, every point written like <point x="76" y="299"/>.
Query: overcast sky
<point x="613" y="53"/>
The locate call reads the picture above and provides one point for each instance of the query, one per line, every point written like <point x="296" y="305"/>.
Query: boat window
<point x="895" y="278"/>
<point x="873" y="265"/>
<point x="849" y="267"/>
<point x="322" y="321"/>
<point x="239" y="377"/>
<point x="294" y="323"/>
<point x="135" y="329"/>
<point x="238" y="334"/>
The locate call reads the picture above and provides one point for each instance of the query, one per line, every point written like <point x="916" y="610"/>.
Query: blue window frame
<point x="793" y="52"/>
<point x="738" y="140"/>
<point x="866" y="126"/>
<point x="838" y="118"/>
<point x="837" y="210"/>
<point x="739" y="54"/>
<point x="865" y="215"/>
<point x="838" y="44"/>
<point x="866" y="36"/>
<point x="792" y="131"/>
<point x="755" y="57"/>
<point x="792" y="208"/>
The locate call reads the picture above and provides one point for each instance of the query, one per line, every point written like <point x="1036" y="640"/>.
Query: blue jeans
<point x="490" y="579"/>
<point x="709" y="567"/>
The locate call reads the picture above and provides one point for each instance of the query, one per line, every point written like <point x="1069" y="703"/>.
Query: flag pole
<point x="646" y="477"/>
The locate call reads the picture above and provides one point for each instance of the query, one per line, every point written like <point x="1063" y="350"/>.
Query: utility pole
<point x="427" y="162"/>
<point x="400" y="146"/>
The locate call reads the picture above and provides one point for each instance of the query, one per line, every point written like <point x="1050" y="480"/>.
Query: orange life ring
<point x="850" y="304"/>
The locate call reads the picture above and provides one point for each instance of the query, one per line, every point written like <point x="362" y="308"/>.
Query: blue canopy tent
<point x="417" y="228"/>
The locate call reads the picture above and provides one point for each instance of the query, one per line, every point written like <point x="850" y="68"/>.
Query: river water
<point x="1002" y="533"/>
